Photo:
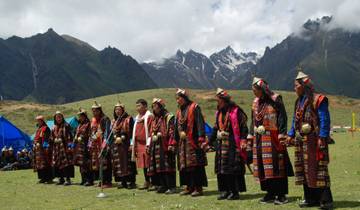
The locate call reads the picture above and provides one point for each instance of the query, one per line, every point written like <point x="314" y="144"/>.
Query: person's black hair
<point x="115" y="116"/>
<point x="142" y="102"/>
<point x="63" y="119"/>
<point x="308" y="92"/>
<point x="163" y="110"/>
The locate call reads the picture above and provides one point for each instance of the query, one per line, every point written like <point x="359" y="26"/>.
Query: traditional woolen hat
<point x="39" y="117"/>
<point x="58" y="112"/>
<point x="96" y="105"/>
<point x="119" y="104"/>
<point x="182" y="92"/>
<point x="301" y="75"/>
<point x="221" y="93"/>
<point x="256" y="80"/>
<point x="159" y="101"/>
<point x="81" y="111"/>
<point x="305" y="80"/>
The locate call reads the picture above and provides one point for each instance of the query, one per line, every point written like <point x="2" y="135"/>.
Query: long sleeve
<point x="242" y="119"/>
<point x="200" y="124"/>
<point x="251" y="130"/>
<point x="47" y="134"/>
<point x="324" y="119"/>
<point x="176" y="131"/>
<point x="291" y="132"/>
<point x="171" y="130"/>
<point x="212" y="140"/>
<point x="149" y="122"/>
<point x="131" y="127"/>
<point x="105" y="126"/>
<point x="282" y="116"/>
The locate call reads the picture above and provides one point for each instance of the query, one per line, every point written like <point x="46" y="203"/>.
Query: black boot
<point x="223" y="195"/>
<point x="280" y="200"/>
<point x="41" y="181"/>
<point x="132" y="185"/>
<point x="83" y="180"/>
<point x="307" y="204"/>
<point x="61" y="181"/>
<point x="67" y="182"/>
<point x="268" y="198"/>
<point x="326" y="206"/>
<point x="233" y="196"/>
<point x="122" y="185"/>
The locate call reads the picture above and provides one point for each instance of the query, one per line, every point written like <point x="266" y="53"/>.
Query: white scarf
<point x="145" y="118"/>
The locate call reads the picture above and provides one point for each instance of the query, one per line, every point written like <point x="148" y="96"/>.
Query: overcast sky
<point x="153" y="29"/>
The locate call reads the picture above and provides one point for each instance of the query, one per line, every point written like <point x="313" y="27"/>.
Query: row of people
<point x="10" y="161"/>
<point x="157" y="142"/>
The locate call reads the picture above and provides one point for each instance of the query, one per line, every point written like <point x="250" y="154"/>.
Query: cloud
<point x="153" y="29"/>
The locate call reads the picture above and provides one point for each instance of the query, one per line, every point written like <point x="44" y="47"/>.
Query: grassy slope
<point x="19" y="189"/>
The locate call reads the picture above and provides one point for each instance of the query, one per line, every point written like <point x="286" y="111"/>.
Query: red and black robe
<point x="271" y="161"/>
<point x="81" y="151"/>
<point x="121" y="156"/>
<point x="161" y="159"/>
<point x="62" y="156"/>
<point x="42" y="155"/>
<point x="191" y="158"/>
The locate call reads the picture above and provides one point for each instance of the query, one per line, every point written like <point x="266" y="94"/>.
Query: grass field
<point x="18" y="189"/>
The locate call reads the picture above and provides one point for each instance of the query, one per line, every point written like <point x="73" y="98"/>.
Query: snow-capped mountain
<point x="195" y="70"/>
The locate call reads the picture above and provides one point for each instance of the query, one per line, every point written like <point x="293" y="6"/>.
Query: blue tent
<point x="71" y="120"/>
<point x="11" y="136"/>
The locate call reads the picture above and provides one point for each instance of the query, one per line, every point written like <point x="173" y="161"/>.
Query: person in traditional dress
<point x="141" y="141"/>
<point x="229" y="140"/>
<point x="4" y="152"/>
<point x="310" y="133"/>
<point x="191" y="144"/>
<point x="124" y="169"/>
<point x="62" y="154"/>
<point x="10" y="160"/>
<point x="42" y="152"/>
<point x="81" y="151"/>
<point x="268" y="129"/>
<point x="162" y="165"/>
<point x="100" y="129"/>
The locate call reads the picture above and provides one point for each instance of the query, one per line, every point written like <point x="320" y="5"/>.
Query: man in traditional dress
<point x="191" y="143"/>
<point x="62" y="155"/>
<point x="310" y="133"/>
<point x="268" y="129"/>
<point x="162" y="160"/>
<point x="229" y="139"/>
<point x="100" y="129"/>
<point x="141" y="141"/>
<point x="42" y="152"/>
<point x="81" y="151"/>
<point x="124" y="169"/>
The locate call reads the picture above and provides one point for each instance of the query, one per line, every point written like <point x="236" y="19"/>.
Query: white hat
<point x="256" y="80"/>
<point x="96" y="105"/>
<point x="301" y="75"/>
<point x="119" y="104"/>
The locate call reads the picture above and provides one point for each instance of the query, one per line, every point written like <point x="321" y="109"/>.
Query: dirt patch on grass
<point x="345" y="103"/>
<point x="10" y="106"/>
